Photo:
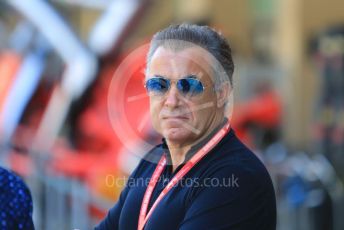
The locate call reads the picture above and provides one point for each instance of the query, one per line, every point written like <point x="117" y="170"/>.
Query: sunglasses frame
<point x="174" y="81"/>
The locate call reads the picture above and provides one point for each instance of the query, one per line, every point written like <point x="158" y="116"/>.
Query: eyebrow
<point x="191" y="76"/>
<point x="194" y="76"/>
<point x="157" y="75"/>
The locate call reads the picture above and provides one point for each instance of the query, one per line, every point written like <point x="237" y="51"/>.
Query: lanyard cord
<point x="143" y="217"/>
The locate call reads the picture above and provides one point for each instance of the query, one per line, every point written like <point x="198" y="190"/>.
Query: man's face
<point x="181" y="119"/>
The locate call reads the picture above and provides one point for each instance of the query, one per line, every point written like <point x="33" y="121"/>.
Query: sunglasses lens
<point x="190" y="86"/>
<point x="157" y="85"/>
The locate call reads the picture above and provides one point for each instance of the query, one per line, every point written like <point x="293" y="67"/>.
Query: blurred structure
<point x="57" y="63"/>
<point x="328" y="53"/>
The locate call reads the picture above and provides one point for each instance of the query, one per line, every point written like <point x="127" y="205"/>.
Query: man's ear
<point x="222" y="94"/>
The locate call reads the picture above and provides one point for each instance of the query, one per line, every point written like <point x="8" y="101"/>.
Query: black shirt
<point x="228" y="189"/>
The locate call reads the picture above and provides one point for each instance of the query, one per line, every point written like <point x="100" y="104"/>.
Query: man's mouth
<point x="175" y="117"/>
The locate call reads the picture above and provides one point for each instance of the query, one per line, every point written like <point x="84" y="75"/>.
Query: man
<point x="201" y="176"/>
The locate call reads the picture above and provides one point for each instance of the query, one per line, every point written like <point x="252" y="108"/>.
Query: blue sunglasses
<point x="188" y="86"/>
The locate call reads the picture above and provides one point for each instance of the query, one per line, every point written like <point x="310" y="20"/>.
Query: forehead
<point x="177" y="64"/>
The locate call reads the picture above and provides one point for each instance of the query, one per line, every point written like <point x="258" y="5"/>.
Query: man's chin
<point x="177" y="135"/>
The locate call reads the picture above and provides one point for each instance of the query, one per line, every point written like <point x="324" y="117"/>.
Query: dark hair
<point x="202" y="36"/>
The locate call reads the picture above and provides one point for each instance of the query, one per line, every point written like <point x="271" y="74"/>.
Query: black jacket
<point x="228" y="189"/>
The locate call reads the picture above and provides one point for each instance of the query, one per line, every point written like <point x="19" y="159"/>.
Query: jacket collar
<point x="193" y="150"/>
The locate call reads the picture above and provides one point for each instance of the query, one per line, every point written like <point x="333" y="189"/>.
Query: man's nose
<point x="172" y="97"/>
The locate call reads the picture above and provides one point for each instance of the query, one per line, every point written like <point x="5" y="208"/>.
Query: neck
<point x="178" y="155"/>
<point x="178" y="151"/>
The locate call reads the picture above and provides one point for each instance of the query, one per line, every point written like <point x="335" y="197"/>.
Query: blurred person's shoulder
<point x="11" y="183"/>
<point x="15" y="201"/>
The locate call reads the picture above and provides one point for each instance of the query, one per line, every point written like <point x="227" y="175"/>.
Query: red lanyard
<point x="185" y="169"/>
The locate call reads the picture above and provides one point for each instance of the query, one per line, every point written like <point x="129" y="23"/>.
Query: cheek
<point x="154" y="109"/>
<point x="198" y="116"/>
<point x="201" y="109"/>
